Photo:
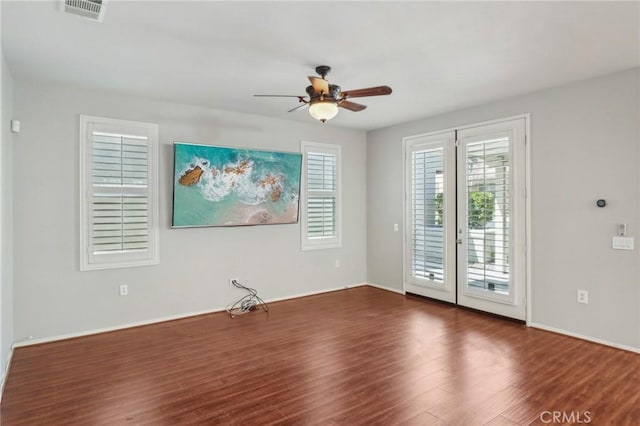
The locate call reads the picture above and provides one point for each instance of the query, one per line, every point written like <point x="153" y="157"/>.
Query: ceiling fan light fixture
<point x="323" y="110"/>
<point x="325" y="99"/>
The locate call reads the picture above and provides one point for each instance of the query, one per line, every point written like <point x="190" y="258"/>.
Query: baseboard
<point x="356" y="285"/>
<point x="31" y="342"/>
<point x="6" y="373"/>
<point x="382" y="287"/>
<point x="583" y="337"/>
<point x="307" y="294"/>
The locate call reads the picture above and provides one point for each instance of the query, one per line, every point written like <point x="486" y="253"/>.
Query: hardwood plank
<point x="358" y="356"/>
<point x="423" y="419"/>
<point x="478" y="408"/>
<point x="501" y="421"/>
<point x="409" y="410"/>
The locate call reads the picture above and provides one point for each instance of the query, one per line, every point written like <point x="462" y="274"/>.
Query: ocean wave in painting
<point x="266" y="184"/>
<point x="237" y="178"/>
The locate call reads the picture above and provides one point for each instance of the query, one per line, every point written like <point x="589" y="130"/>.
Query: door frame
<point x="527" y="189"/>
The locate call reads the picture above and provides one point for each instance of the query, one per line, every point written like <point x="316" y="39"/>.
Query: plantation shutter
<point x="120" y="212"/>
<point x="487" y="174"/>
<point x="119" y="193"/>
<point x="426" y="215"/>
<point x="321" y="201"/>
<point x="321" y="196"/>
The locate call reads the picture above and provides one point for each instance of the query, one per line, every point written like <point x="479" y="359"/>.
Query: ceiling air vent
<point x="92" y="9"/>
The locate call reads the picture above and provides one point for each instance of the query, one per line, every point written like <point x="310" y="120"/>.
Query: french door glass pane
<point x="427" y="194"/>
<point x="487" y="213"/>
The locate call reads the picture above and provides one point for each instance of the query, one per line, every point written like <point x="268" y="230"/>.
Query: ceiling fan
<point x="324" y="98"/>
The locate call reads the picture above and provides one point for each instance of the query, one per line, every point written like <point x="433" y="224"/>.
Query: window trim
<point x="327" y="242"/>
<point x="120" y="260"/>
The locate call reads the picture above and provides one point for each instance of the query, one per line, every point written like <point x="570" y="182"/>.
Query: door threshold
<point x="466" y="308"/>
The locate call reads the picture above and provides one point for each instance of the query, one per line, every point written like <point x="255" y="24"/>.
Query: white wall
<point x="6" y="267"/>
<point x="51" y="296"/>
<point x="585" y="146"/>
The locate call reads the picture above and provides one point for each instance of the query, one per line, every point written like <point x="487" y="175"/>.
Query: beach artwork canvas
<point x="223" y="186"/>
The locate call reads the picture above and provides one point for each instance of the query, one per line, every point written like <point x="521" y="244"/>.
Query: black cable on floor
<point x="247" y="303"/>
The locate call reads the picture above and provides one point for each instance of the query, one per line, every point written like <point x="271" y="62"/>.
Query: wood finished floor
<point x="358" y="356"/>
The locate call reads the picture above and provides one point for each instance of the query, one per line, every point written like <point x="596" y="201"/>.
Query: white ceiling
<point x="436" y="56"/>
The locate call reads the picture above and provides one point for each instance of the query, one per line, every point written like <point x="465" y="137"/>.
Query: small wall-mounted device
<point x="15" y="126"/>
<point x="601" y="202"/>
<point x="622" y="243"/>
<point x="622" y="229"/>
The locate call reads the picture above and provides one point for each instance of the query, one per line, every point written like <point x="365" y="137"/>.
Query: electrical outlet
<point x="583" y="296"/>
<point x="337" y="263"/>
<point x="124" y="290"/>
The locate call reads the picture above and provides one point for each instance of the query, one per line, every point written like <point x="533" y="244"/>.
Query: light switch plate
<point x="622" y="243"/>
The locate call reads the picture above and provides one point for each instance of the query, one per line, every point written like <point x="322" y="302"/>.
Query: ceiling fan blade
<point x="320" y="85"/>
<point x="351" y="106"/>
<point x="298" y="107"/>
<point x="369" y="91"/>
<point x="279" y="96"/>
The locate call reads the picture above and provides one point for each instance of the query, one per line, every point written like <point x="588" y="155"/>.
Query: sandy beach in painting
<point x="252" y="216"/>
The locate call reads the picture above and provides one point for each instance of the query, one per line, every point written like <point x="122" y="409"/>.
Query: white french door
<point x="465" y="217"/>
<point x="491" y="222"/>
<point x="430" y="266"/>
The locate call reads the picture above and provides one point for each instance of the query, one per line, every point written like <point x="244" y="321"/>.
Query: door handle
<point x="459" y="241"/>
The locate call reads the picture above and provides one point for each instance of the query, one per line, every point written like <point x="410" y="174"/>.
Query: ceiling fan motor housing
<point x="334" y="93"/>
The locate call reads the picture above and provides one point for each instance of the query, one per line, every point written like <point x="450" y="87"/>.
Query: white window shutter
<point x="321" y="196"/>
<point x="427" y="202"/>
<point x="120" y="223"/>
